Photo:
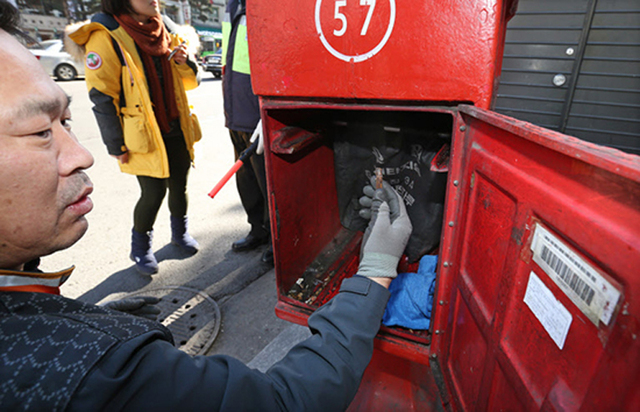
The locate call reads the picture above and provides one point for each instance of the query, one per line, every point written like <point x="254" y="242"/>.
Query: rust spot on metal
<point x="525" y="253"/>
<point x="378" y="178"/>
<point x="291" y="139"/>
<point x="516" y="235"/>
<point x="440" y="162"/>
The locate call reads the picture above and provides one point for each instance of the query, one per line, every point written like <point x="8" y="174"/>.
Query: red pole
<point x="237" y="165"/>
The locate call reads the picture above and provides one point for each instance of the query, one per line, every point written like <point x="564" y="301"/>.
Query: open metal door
<point x="538" y="295"/>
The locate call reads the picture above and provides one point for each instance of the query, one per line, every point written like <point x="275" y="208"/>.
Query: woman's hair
<point x="9" y="17"/>
<point x="116" y="7"/>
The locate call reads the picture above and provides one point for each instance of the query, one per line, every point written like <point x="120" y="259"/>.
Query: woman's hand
<point x="180" y="55"/>
<point x="123" y="158"/>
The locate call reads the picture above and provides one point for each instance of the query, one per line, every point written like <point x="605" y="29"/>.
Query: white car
<point x="56" y="61"/>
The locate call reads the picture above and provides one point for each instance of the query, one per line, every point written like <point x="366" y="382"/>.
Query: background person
<point x="143" y="113"/>
<point x="242" y="113"/>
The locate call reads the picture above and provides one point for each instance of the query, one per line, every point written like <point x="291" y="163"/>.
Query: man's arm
<point x="321" y="373"/>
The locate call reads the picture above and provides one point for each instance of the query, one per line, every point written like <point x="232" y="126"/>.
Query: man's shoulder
<point x="50" y="311"/>
<point x="32" y="304"/>
<point x="50" y="343"/>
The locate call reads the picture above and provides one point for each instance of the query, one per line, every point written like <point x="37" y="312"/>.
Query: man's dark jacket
<point x="241" y="106"/>
<point x="61" y="354"/>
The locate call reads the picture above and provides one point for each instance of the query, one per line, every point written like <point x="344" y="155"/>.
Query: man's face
<point x="43" y="189"/>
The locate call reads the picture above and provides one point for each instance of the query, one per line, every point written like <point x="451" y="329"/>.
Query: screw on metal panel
<point x="570" y="51"/>
<point x="434" y="356"/>
<point x="463" y="128"/>
<point x="441" y="302"/>
<point x="450" y="224"/>
<point x="437" y="332"/>
<point x="445" y="264"/>
<point x="559" y="80"/>
<point x="456" y="183"/>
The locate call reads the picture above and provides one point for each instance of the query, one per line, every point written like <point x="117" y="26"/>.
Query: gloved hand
<point x="387" y="234"/>
<point x="143" y="306"/>
<point x="387" y="193"/>
<point x="257" y="134"/>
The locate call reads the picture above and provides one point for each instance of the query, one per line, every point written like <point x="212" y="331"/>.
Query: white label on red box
<point x="579" y="280"/>
<point x="553" y="316"/>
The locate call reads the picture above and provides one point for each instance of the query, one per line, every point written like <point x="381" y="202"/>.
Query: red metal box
<point x="514" y="327"/>
<point x="437" y="50"/>
<point x="537" y="300"/>
<point x="539" y="283"/>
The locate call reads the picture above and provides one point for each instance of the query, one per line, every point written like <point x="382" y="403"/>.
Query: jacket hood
<point x="76" y="50"/>
<point x="76" y="35"/>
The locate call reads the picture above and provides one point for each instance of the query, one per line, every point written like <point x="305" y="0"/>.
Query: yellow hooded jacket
<point x="108" y="79"/>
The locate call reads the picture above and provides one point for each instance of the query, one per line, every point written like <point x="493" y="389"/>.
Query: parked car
<point x="56" y="61"/>
<point x="213" y="63"/>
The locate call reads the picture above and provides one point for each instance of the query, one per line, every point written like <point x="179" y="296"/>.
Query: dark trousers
<point x="252" y="185"/>
<point x="153" y="190"/>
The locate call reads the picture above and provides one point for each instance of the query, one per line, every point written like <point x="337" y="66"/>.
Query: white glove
<point x="257" y="134"/>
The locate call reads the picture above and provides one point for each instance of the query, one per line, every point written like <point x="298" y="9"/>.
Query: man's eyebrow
<point x="52" y="107"/>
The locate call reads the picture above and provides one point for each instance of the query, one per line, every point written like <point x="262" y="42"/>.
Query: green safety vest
<point x="241" y="46"/>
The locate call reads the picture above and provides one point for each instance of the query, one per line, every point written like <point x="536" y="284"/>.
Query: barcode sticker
<point x="579" y="280"/>
<point x="553" y="316"/>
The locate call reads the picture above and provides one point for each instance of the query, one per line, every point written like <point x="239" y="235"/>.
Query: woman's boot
<point x="180" y="237"/>
<point x="142" y="254"/>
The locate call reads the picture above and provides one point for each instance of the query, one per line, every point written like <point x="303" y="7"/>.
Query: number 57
<point x="340" y="16"/>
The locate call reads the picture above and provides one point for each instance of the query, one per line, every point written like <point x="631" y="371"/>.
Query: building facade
<point x="574" y="66"/>
<point x="44" y="21"/>
<point x="42" y="27"/>
<point x="204" y="15"/>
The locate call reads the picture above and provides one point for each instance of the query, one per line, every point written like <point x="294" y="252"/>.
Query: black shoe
<point x="249" y="243"/>
<point x="267" y="255"/>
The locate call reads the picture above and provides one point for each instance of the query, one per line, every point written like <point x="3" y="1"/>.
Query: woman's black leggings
<point x="153" y="189"/>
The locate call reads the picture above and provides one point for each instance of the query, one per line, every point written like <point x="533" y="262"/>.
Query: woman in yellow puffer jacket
<point x="137" y="71"/>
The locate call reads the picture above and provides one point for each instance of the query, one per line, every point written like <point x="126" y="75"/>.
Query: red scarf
<point x="153" y="39"/>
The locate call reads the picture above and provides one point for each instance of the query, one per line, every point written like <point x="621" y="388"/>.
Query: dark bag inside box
<point x="405" y="154"/>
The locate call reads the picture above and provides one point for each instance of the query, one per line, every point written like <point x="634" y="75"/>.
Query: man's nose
<point x="72" y="155"/>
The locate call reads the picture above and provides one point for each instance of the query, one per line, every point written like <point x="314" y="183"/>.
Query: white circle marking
<point x="361" y="57"/>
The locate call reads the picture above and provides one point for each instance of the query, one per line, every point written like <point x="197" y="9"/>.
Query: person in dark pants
<point x="62" y="354"/>
<point x="242" y="113"/>
<point x="144" y="115"/>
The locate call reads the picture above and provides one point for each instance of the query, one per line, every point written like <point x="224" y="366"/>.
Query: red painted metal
<point x="438" y="51"/>
<point x="393" y="383"/>
<point x="495" y="353"/>
<point x="486" y="349"/>
<point x="311" y="247"/>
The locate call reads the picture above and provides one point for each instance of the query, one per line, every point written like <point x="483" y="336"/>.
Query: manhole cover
<point x="192" y="317"/>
